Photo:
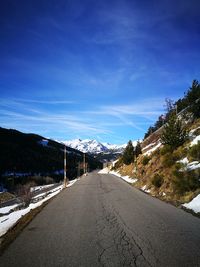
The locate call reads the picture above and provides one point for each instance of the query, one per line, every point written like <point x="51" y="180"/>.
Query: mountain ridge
<point x="95" y="147"/>
<point x="24" y="155"/>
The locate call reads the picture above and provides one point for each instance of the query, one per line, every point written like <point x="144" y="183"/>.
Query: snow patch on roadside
<point x="125" y="178"/>
<point x="104" y="171"/>
<point x="114" y="162"/>
<point x="194" y="204"/>
<point x="7" y="209"/>
<point x="144" y="188"/>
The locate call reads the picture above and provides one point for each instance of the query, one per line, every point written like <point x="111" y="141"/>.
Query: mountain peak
<point x="94" y="147"/>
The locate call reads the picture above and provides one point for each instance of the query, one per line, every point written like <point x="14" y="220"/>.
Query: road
<point x="103" y="221"/>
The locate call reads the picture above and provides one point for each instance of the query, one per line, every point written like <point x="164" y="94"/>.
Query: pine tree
<point x="170" y="108"/>
<point x="193" y="98"/>
<point x="159" y="123"/>
<point x="138" y="149"/>
<point x="174" y="133"/>
<point x="128" y="155"/>
<point x="149" y="132"/>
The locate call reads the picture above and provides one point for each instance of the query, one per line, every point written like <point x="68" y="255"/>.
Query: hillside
<point x="26" y="155"/>
<point x="172" y="175"/>
<point x="169" y="165"/>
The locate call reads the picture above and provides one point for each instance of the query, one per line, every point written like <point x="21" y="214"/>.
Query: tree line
<point x="190" y="103"/>
<point x="174" y="133"/>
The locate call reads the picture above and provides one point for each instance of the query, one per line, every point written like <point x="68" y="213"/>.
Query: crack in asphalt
<point x="117" y="245"/>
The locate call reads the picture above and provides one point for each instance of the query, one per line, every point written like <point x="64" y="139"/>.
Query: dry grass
<point x="6" y="196"/>
<point x="145" y="173"/>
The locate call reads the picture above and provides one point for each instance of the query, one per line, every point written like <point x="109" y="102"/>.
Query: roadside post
<point x="65" y="167"/>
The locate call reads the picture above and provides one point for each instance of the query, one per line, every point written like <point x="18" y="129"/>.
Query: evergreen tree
<point x="128" y="155"/>
<point x="193" y="99"/>
<point x="149" y="132"/>
<point x="138" y="149"/>
<point x="173" y="134"/>
<point x="181" y="104"/>
<point x="159" y="123"/>
<point x="170" y="108"/>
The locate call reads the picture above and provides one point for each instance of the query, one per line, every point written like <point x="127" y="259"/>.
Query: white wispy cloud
<point x="146" y="108"/>
<point x="28" y="115"/>
<point x="91" y="121"/>
<point x="133" y="115"/>
<point x="49" y="102"/>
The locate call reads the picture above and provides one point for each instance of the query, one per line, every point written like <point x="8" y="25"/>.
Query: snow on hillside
<point x="151" y="148"/>
<point x="189" y="166"/>
<point x="86" y="146"/>
<point x="195" y="140"/>
<point x="94" y="147"/>
<point x="114" y="147"/>
<point x="43" y="142"/>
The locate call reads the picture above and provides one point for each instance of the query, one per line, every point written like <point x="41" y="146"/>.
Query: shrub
<point x="42" y="180"/>
<point x="185" y="181"/>
<point x="180" y="153"/>
<point x="157" y="180"/>
<point x="165" y="149"/>
<point x="194" y="152"/>
<point x="178" y="166"/>
<point x="168" y="160"/>
<point x="23" y="191"/>
<point x="145" y="160"/>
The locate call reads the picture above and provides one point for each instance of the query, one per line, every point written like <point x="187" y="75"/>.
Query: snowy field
<point x="7" y="221"/>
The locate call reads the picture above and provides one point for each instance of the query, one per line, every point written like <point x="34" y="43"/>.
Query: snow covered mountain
<point x="94" y="147"/>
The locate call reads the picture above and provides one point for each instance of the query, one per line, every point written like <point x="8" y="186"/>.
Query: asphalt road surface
<point x="103" y="221"/>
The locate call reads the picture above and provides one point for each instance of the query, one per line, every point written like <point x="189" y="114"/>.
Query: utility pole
<point x="78" y="171"/>
<point x="65" y="167"/>
<point x="88" y="168"/>
<point x="84" y="163"/>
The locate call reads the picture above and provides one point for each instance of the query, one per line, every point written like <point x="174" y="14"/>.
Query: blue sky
<point x="94" y="69"/>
